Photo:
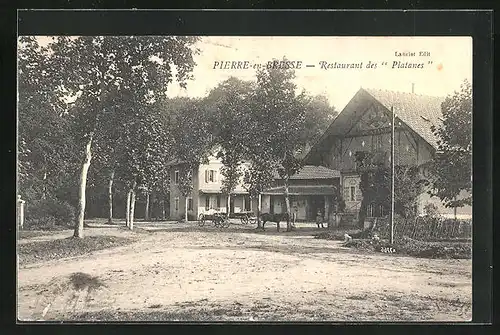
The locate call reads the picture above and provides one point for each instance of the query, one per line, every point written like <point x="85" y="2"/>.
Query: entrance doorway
<point x="317" y="203"/>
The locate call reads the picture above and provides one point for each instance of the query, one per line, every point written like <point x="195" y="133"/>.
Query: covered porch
<point x="305" y="201"/>
<point x="216" y="201"/>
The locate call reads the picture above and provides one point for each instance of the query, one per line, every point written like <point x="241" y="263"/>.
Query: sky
<point x="445" y="61"/>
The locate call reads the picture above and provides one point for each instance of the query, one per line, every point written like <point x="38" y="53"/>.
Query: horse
<point x="268" y="217"/>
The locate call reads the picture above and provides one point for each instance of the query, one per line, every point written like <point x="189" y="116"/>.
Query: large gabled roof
<point x="418" y="112"/>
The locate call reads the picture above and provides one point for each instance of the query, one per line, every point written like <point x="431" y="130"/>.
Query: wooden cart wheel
<point x="252" y="220"/>
<point x="244" y="219"/>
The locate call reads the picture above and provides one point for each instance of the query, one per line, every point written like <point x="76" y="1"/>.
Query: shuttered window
<point x="210" y="176"/>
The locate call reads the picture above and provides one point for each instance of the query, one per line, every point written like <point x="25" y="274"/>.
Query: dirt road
<point x="183" y="273"/>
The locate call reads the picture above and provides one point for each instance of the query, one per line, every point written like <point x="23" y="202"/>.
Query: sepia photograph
<point x="244" y="178"/>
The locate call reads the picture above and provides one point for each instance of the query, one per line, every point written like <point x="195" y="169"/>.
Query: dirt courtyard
<point x="180" y="272"/>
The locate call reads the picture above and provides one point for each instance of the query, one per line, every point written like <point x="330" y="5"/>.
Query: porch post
<point x="327" y="211"/>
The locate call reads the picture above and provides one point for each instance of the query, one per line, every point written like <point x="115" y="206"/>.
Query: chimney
<point x="412" y="88"/>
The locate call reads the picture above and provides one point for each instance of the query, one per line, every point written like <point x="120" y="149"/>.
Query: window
<point x="176" y="177"/>
<point x="369" y="210"/>
<point x="207" y="202"/>
<point x="353" y="193"/>
<point x="176" y="204"/>
<point x="381" y="208"/>
<point x="190" y="204"/>
<point x="218" y="201"/>
<point x="210" y="176"/>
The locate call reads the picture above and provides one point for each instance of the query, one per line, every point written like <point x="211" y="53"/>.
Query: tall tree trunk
<point x="259" y="209"/>
<point x="44" y="188"/>
<point x="186" y="210"/>
<point x="152" y="201"/>
<point x="146" y="210"/>
<point x="110" y="197"/>
<point x="287" y="202"/>
<point x="127" y="209"/>
<point x="132" y="210"/>
<point x="455" y="209"/>
<point x="163" y="208"/>
<point x="362" y="213"/>
<point x="81" y="192"/>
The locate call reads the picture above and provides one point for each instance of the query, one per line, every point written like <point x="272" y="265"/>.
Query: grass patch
<point x="36" y="233"/>
<point x="415" y="248"/>
<point x="68" y="247"/>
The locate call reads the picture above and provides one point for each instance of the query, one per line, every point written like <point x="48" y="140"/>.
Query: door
<point x="271" y="204"/>
<point x="317" y="204"/>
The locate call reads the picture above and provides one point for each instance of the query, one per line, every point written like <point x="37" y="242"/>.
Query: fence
<point x="427" y="228"/>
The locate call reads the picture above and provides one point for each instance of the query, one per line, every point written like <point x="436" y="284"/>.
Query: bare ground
<point x="186" y="273"/>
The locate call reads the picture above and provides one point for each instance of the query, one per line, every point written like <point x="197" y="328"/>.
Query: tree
<point x="228" y="108"/>
<point x="319" y="114"/>
<point x="258" y="177"/>
<point x="46" y="147"/>
<point x="91" y="68"/>
<point x="451" y="168"/>
<point x="375" y="186"/>
<point x="280" y="112"/>
<point x="143" y="152"/>
<point x="191" y="139"/>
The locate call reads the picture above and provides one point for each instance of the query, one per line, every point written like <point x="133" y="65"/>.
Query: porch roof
<point x="302" y="190"/>
<point x="238" y="192"/>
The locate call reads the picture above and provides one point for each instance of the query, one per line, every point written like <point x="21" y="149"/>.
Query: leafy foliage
<point x="375" y="185"/>
<point x="47" y="213"/>
<point x="452" y="165"/>
<point x="228" y="105"/>
<point x="46" y="156"/>
<point x="105" y="87"/>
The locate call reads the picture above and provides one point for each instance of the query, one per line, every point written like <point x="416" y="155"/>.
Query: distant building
<point x="365" y="126"/>
<point x="309" y="190"/>
<point x="206" y="195"/>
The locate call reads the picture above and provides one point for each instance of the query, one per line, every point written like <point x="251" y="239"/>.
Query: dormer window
<point x="176" y="177"/>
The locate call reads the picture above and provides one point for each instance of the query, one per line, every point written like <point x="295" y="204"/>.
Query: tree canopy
<point x="451" y="169"/>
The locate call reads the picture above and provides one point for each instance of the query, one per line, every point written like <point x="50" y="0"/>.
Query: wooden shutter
<point x="206" y="176"/>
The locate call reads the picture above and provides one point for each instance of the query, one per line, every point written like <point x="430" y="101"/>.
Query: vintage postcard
<point x="244" y="178"/>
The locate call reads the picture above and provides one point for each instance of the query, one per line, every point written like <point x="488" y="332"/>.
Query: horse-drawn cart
<point x="219" y="219"/>
<point x="245" y="217"/>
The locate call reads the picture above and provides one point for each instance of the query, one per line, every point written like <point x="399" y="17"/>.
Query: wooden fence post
<point x="20" y="212"/>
